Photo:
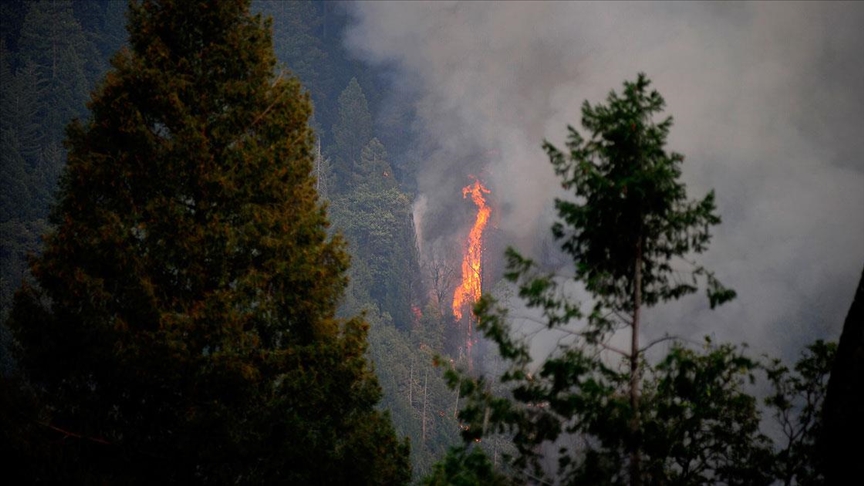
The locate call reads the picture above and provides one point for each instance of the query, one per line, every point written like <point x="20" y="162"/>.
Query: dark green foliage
<point x="466" y="467"/>
<point x="53" y="41"/>
<point x="308" y="36"/>
<point x="797" y="404"/>
<point x="183" y="330"/>
<point x="21" y="105"/>
<point x="375" y="217"/>
<point x="46" y="76"/>
<point x="422" y="406"/>
<point x="43" y="82"/>
<point x="628" y="197"/>
<point x="700" y="421"/>
<point x="629" y="230"/>
<point x="354" y="128"/>
<point x="373" y="212"/>
<point x="296" y="44"/>
<point x="607" y="415"/>
<point x="104" y="24"/>
<point x="700" y="424"/>
<point x="352" y="132"/>
<point x="24" y="189"/>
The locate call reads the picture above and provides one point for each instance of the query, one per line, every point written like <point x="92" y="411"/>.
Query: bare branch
<point x="67" y="434"/>
<point x="613" y="349"/>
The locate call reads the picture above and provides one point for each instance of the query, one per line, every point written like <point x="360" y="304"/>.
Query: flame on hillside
<point x="470" y="287"/>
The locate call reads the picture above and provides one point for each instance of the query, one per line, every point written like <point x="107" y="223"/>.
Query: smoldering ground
<point x="768" y="110"/>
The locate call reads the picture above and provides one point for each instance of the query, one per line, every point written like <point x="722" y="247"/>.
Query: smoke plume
<point x="768" y="107"/>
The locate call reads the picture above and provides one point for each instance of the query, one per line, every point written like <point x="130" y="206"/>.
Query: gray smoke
<point x="769" y="111"/>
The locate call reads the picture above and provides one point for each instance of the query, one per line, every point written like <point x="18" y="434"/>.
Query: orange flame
<point x="469" y="290"/>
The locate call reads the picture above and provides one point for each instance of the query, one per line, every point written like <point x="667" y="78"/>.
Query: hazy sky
<point x="768" y="101"/>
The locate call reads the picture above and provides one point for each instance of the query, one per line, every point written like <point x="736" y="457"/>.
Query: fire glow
<point x="470" y="288"/>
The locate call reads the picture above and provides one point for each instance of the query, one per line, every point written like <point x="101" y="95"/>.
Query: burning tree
<point x="471" y="286"/>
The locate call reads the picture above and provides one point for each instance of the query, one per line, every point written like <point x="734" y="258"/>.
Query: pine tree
<point x="53" y="42"/>
<point x="631" y="221"/>
<point x="631" y="231"/>
<point x="41" y="91"/>
<point x="183" y="330"/>
<point x="24" y="195"/>
<point x="373" y="169"/>
<point x="352" y="132"/>
<point x="296" y="43"/>
<point x="375" y="217"/>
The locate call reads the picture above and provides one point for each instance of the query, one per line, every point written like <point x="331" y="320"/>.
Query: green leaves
<point x="717" y="293"/>
<point x="626" y="192"/>
<point x="701" y="425"/>
<point x="352" y="132"/>
<point x="630" y="230"/>
<point x="375" y="218"/>
<point x="187" y="293"/>
<point x="466" y="467"/>
<point x="796" y="404"/>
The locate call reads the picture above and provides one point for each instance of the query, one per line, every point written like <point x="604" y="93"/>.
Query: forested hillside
<point x="51" y="55"/>
<point x="310" y="247"/>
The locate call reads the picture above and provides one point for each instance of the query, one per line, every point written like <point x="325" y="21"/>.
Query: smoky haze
<point x="769" y="111"/>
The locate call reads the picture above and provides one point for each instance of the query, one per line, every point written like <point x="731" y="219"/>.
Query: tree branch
<point x="67" y="433"/>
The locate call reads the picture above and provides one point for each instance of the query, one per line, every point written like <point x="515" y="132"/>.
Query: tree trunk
<point x="635" y="454"/>
<point x="425" y="382"/>
<point x="456" y="407"/>
<point x="841" y="412"/>
<point x="317" y="161"/>
<point x="411" y="384"/>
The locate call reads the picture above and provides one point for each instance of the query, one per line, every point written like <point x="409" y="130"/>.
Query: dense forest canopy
<point x="235" y="240"/>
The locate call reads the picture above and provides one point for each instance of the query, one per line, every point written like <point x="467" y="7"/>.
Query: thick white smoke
<point x="769" y="111"/>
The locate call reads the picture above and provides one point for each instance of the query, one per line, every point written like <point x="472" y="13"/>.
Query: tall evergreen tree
<point x="352" y="132"/>
<point x="631" y="220"/>
<point x="295" y="42"/>
<point x="43" y="86"/>
<point x="53" y="41"/>
<point x="183" y="330"/>
<point x="630" y="231"/>
<point x="375" y="217"/>
<point x="104" y="26"/>
<point x="24" y="188"/>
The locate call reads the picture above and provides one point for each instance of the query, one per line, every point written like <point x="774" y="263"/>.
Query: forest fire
<point x="470" y="287"/>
